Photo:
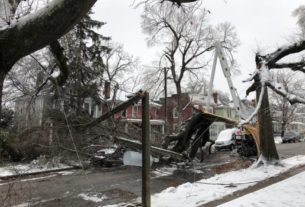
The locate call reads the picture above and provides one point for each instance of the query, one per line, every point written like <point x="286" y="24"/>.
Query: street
<point x="100" y="187"/>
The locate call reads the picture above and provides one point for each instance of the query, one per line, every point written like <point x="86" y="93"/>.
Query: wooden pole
<point x="145" y="151"/>
<point x="123" y="106"/>
<point x="165" y="100"/>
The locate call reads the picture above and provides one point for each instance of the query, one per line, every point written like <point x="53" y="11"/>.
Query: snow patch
<point x="94" y="197"/>
<point x="289" y="192"/>
<point x="39" y="165"/>
<point x="206" y="190"/>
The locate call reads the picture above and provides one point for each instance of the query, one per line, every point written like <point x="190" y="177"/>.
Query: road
<point x="290" y="149"/>
<point x="106" y="186"/>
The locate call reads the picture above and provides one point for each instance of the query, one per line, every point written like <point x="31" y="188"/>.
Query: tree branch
<point x="279" y="89"/>
<point x="272" y="58"/>
<point x="50" y="23"/>
<point x="296" y="66"/>
<point x="61" y="61"/>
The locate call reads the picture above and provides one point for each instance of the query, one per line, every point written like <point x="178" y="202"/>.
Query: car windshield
<point x="225" y="134"/>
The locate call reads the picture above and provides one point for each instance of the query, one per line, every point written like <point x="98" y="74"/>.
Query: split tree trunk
<point x="2" y="77"/>
<point x="267" y="145"/>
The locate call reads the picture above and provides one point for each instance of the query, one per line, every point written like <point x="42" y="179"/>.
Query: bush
<point x="7" y="151"/>
<point x="6" y="119"/>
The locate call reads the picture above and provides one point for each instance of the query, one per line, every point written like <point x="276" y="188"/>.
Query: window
<point x="123" y="114"/>
<point x="134" y="112"/>
<point x="87" y="107"/>
<point x="175" y="113"/>
<point x="229" y="113"/>
<point x="175" y="127"/>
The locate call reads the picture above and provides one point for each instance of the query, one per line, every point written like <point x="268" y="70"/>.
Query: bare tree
<point x="187" y="39"/>
<point x="282" y="111"/>
<point x="117" y="65"/>
<point x="185" y="36"/>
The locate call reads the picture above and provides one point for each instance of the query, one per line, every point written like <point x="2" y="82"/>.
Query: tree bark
<point x="179" y="107"/>
<point x="267" y="144"/>
<point x="34" y="31"/>
<point x="2" y="77"/>
<point x="283" y="129"/>
<point x="37" y="30"/>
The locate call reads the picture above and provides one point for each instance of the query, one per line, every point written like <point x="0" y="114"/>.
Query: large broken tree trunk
<point x="2" y="77"/>
<point x="267" y="145"/>
<point x="194" y="136"/>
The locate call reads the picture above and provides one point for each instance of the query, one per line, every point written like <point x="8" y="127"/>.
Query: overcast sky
<point x="263" y="24"/>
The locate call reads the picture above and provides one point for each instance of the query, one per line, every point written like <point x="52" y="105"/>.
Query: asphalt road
<point x="107" y="186"/>
<point x="290" y="149"/>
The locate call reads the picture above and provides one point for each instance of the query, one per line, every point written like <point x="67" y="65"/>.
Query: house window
<point x="134" y="112"/>
<point x="175" y="113"/>
<point x="175" y="127"/>
<point x="87" y="107"/>
<point x="123" y="114"/>
<point x="229" y="113"/>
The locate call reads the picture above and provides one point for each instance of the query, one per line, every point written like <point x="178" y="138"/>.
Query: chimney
<point x="215" y="97"/>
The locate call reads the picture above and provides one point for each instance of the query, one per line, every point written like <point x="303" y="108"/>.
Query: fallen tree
<point x="195" y="135"/>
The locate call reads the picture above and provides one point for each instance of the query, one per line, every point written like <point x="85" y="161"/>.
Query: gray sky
<point x="260" y="24"/>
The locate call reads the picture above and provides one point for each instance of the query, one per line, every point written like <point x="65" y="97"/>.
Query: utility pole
<point x="145" y="151"/>
<point x="165" y="99"/>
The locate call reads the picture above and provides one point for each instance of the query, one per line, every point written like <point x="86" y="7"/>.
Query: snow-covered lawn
<point x="40" y="165"/>
<point x="206" y="190"/>
<point x="289" y="192"/>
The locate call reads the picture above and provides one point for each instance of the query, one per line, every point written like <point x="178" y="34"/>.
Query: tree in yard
<point x="117" y="63"/>
<point x="83" y="48"/>
<point x="187" y="38"/>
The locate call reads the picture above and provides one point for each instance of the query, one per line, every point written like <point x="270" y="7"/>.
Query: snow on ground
<point x="289" y="192"/>
<point x="206" y="190"/>
<point x="164" y="171"/>
<point x="94" y="197"/>
<point x="39" y="165"/>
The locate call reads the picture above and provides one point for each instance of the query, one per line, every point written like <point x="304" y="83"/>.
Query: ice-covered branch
<point x="280" y="89"/>
<point x="258" y="106"/>
<point x="272" y="58"/>
<point x="296" y="66"/>
<point x="264" y="75"/>
<point x="38" y="29"/>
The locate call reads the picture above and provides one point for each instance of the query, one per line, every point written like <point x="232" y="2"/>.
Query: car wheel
<point x="212" y="148"/>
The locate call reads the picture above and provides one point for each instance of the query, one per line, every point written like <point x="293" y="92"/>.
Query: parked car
<point x="226" y="139"/>
<point x="291" y="137"/>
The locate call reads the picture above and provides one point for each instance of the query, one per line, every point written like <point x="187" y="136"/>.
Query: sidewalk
<point x="289" y="192"/>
